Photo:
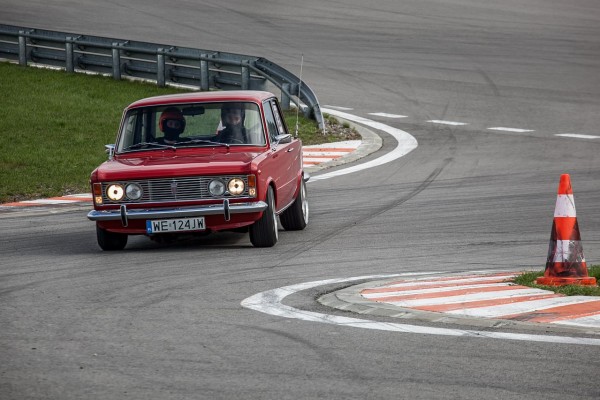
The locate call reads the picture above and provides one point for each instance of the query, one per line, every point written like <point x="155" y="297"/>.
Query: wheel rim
<point x="275" y="224"/>
<point x="304" y="203"/>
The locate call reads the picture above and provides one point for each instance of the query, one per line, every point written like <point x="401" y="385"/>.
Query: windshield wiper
<point x="203" y="141"/>
<point x="147" y="144"/>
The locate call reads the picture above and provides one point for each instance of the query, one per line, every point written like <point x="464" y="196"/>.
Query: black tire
<point x="295" y="218"/>
<point x="263" y="233"/>
<point x="109" y="241"/>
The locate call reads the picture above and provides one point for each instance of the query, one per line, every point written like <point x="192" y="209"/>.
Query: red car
<point x="200" y="162"/>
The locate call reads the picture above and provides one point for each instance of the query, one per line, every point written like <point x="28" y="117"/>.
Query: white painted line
<point x="522" y="307"/>
<point x="346" y="144"/>
<point x="578" y="136"/>
<point x="406" y="144"/>
<point x="457" y="281"/>
<point x="318" y="154"/>
<point x="518" y="130"/>
<point x="437" y="121"/>
<point x="270" y="302"/>
<point x="67" y="199"/>
<point x="340" y="108"/>
<point x="49" y="201"/>
<point x="383" y="295"/>
<point x="318" y="160"/>
<point x="330" y="149"/>
<point x="467" y="298"/>
<point x="386" y="115"/>
<point x="590" y="321"/>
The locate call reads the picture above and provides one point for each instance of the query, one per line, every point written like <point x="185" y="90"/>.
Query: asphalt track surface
<point x="166" y="321"/>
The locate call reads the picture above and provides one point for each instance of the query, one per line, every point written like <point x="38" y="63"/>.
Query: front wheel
<point x="295" y="218"/>
<point x="109" y="241"/>
<point x="263" y="233"/>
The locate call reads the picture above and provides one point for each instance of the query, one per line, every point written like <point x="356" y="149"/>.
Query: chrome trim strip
<point x="236" y="208"/>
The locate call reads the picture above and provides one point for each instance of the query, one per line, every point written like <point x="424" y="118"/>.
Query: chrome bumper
<point x="224" y="209"/>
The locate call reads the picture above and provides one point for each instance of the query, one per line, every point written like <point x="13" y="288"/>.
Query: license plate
<point x="175" y="225"/>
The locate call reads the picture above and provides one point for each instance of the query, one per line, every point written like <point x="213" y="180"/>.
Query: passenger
<point x="232" y="118"/>
<point x="172" y="124"/>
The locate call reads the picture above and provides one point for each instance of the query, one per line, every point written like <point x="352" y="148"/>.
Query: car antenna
<point x="299" y="86"/>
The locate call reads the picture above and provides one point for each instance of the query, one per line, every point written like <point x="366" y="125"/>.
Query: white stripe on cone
<point x="565" y="206"/>
<point x="567" y="251"/>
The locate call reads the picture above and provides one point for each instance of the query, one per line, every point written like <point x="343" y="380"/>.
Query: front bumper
<point x="124" y="214"/>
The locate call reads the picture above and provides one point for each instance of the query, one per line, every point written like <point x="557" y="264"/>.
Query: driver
<point x="172" y="124"/>
<point x="232" y="118"/>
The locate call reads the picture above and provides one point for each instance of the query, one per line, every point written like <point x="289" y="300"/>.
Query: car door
<point x="286" y="156"/>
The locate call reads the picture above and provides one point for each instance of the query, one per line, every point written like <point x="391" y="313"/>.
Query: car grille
<point x="175" y="189"/>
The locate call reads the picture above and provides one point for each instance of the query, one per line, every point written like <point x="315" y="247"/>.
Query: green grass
<point x="528" y="278"/>
<point x="310" y="133"/>
<point x="55" y="125"/>
<point x="308" y="130"/>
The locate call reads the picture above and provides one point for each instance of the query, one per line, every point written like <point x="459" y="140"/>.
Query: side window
<point x="136" y="128"/>
<point x="280" y="124"/>
<point x="270" y="120"/>
<point x="128" y="131"/>
<point x="253" y="125"/>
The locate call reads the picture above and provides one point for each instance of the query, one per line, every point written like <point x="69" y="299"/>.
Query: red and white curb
<point x="318" y="154"/>
<point x="488" y="296"/>
<point x="69" y="199"/>
<point x="271" y="302"/>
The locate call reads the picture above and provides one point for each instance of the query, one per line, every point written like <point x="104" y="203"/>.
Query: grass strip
<point x="528" y="279"/>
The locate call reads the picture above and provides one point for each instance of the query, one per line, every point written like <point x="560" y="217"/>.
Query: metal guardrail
<point x="164" y="64"/>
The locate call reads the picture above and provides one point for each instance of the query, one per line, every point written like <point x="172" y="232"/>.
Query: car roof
<point x="254" y="96"/>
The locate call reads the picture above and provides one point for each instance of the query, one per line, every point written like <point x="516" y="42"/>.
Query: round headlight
<point x="236" y="186"/>
<point x="216" y="187"/>
<point x="133" y="191"/>
<point x="115" y="192"/>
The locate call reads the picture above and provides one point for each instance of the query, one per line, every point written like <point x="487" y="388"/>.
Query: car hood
<point x="151" y="166"/>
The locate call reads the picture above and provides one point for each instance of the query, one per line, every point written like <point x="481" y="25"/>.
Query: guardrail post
<point x="116" y="61"/>
<point x="285" y="99"/>
<point x="245" y="75"/>
<point x="69" y="56"/>
<point x="204" y="74"/>
<point x="160" y="68"/>
<point x="22" y="49"/>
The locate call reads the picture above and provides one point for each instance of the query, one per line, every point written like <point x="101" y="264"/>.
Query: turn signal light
<point x="97" y="192"/>
<point x="252" y="185"/>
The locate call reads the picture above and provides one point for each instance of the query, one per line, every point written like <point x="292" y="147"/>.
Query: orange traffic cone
<point x="565" y="264"/>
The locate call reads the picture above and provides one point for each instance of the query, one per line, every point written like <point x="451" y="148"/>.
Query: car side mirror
<point x="110" y="150"/>
<point x="285" y="138"/>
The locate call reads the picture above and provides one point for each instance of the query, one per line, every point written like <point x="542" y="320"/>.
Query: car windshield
<point x="191" y="125"/>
